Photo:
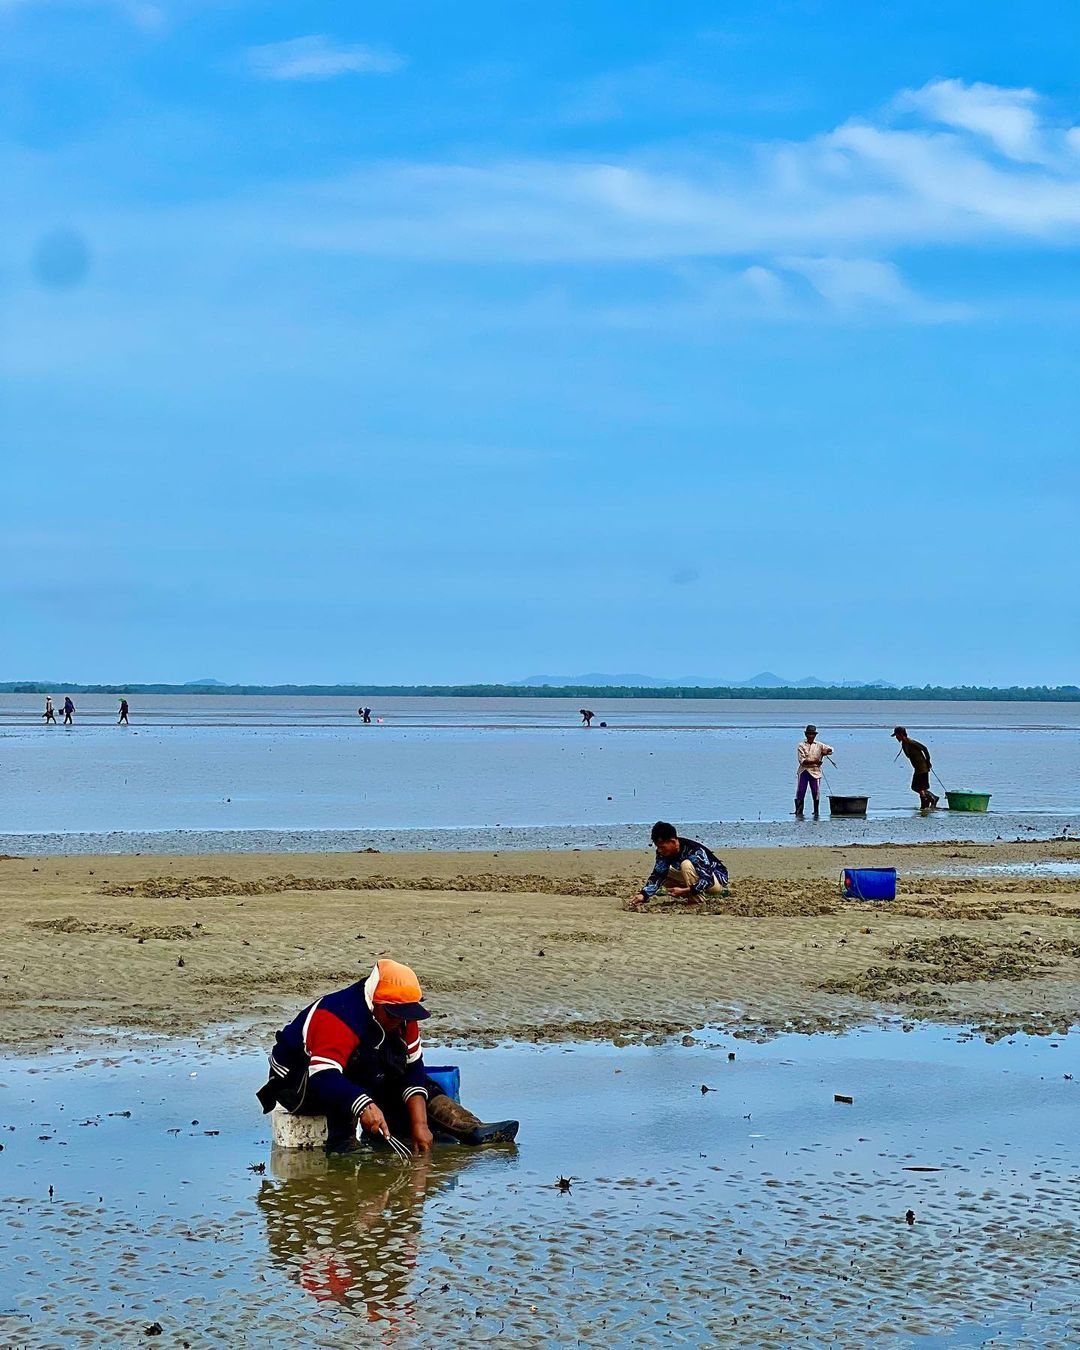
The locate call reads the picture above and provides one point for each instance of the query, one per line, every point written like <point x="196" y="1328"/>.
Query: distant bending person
<point x="587" y="716"/>
<point x="919" y="758"/>
<point x="810" y="754"/>
<point x="122" y="720"/>
<point x="689" y="870"/>
<point x="50" y="712"/>
<point x="69" y="710"/>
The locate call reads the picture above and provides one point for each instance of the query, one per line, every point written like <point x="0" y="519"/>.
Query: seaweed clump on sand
<point x="949" y="959"/>
<point x="140" y="931"/>
<point x="208" y="887"/>
<point x="755" y="899"/>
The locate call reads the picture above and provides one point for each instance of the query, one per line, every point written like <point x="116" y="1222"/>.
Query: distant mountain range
<point x="766" y="680"/>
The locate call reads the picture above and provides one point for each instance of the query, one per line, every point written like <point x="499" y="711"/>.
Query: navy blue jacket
<point x="338" y="1039"/>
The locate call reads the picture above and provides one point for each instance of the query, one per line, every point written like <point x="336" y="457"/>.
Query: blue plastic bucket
<point x="869" y="883"/>
<point x="448" y="1077"/>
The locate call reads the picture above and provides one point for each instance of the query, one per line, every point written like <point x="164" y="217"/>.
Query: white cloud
<point x="777" y="229"/>
<point x="315" y="57"/>
<point x="765" y="285"/>
<point x="867" y="186"/>
<point x="856" y="285"/>
<point x="1008" y="118"/>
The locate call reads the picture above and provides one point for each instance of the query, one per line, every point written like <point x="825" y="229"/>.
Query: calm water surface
<point x="761" y="1213"/>
<point x="209" y="763"/>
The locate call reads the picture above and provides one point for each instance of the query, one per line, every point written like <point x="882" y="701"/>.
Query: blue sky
<point x="424" y="342"/>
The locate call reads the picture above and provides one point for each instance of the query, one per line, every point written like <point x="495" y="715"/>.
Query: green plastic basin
<point x="968" y="801"/>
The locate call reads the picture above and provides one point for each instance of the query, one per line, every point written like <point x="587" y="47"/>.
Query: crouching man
<point x="355" y="1057"/>
<point x="688" y="869"/>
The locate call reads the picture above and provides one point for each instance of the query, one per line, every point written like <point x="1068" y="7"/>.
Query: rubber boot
<point x="452" y="1117"/>
<point x="341" y="1134"/>
<point x="798" y="809"/>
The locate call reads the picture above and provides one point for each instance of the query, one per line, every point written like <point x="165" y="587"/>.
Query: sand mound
<point x="140" y="931"/>
<point x="206" y="887"/>
<point x="953" y="958"/>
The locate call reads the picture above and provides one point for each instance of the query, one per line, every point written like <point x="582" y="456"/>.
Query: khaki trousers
<point x="689" y="875"/>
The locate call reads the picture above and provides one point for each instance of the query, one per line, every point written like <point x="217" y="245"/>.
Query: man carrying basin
<point x="354" y="1056"/>
<point x="919" y="757"/>
<point x="689" y="870"/>
<point x="810" y="755"/>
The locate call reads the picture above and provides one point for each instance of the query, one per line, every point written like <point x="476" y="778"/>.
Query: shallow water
<point x="1050" y="867"/>
<point x="758" y="1214"/>
<point x="472" y="772"/>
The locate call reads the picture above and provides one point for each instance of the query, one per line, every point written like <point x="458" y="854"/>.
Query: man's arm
<point x="329" y="1043"/>
<point x="656" y="879"/>
<point x="418" y="1123"/>
<point x="414" y="1093"/>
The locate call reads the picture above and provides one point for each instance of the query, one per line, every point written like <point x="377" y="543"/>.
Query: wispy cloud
<point x="315" y="57"/>
<point x="781" y="229"/>
<point x="1008" y="118"/>
<point x="864" y="188"/>
<point x="859" y="285"/>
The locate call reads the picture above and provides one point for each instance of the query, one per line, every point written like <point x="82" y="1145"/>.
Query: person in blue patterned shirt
<point x="688" y="869"/>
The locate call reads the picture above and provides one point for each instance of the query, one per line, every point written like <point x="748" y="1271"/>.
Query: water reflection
<point x="348" y="1229"/>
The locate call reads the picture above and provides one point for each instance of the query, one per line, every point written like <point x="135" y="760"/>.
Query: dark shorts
<point x="920" y="782"/>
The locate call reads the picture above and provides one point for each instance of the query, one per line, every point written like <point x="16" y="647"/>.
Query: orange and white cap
<point x="397" y="989"/>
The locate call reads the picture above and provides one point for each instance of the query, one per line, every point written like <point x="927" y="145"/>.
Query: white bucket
<point x="291" y="1131"/>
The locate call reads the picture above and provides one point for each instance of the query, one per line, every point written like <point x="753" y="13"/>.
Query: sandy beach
<point x="539" y="946"/>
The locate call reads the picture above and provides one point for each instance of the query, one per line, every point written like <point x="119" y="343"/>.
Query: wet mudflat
<point x="706" y="1201"/>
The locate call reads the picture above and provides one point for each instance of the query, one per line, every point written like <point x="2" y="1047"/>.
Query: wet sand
<point x="537" y="946"/>
<point x="938" y="1209"/>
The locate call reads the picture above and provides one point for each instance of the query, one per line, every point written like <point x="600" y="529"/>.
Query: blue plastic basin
<point x="869" y="883"/>
<point x="448" y="1077"/>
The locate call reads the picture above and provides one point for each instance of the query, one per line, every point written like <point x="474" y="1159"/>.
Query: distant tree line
<point x="965" y="693"/>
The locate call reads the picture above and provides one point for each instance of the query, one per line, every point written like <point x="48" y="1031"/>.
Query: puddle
<point x="1054" y="867"/>
<point x="759" y="1213"/>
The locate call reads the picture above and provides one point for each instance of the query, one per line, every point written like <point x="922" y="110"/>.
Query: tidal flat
<point x="714" y="1194"/>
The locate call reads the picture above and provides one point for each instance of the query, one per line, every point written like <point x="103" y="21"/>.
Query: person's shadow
<point x="347" y="1229"/>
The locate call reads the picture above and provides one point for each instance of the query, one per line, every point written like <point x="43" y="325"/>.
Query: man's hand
<point x="678" y="890"/>
<point x="374" y="1121"/>
<point x="422" y="1138"/>
<point x="638" y="899"/>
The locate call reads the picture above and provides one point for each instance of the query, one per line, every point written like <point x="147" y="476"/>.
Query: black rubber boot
<point x="341" y="1134"/>
<point x="452" y="1117"/>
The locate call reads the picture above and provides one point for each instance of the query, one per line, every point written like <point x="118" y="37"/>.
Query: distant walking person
<point x="919" y="757"/>
<point x="50" y="713"/>
<point x="810" y="753"/>
<point x="122" y="720"/>
<point x="69" y="708"/>
<point x="587" y="716"/>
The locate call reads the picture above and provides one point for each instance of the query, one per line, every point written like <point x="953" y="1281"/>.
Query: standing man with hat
<point x="919" y="758"/>
<point x="355" y="1057"/>
<point x="810" y="754"/>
